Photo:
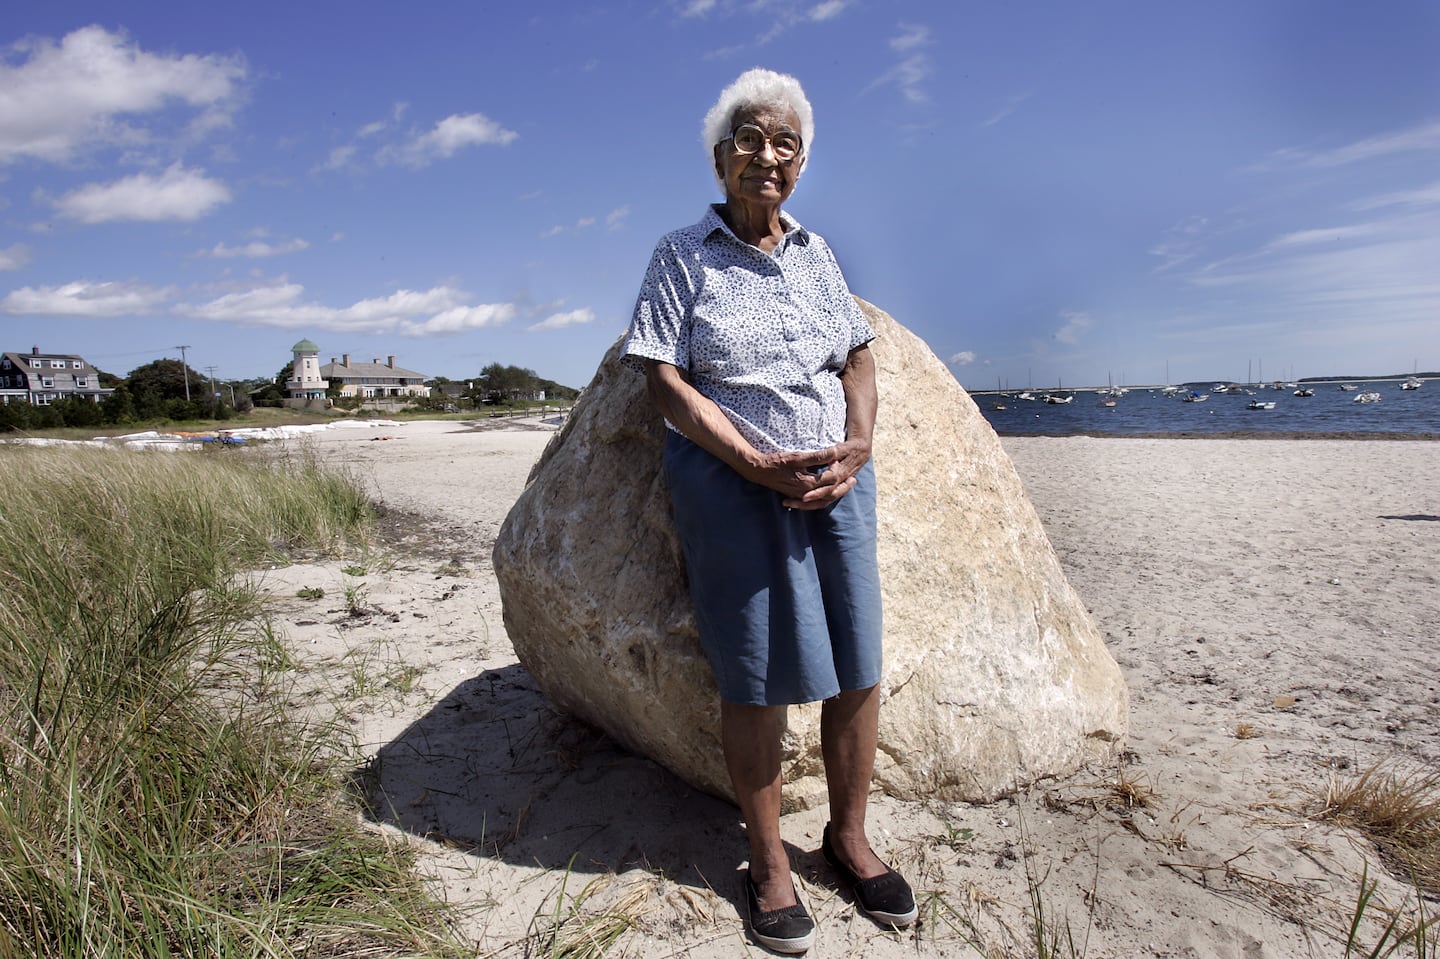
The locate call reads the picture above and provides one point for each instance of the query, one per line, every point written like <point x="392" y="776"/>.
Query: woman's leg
<point x="751" y="737"/>
<point x="849" y="727"/>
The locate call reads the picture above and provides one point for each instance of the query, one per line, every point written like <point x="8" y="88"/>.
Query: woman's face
<point x="759" y="177"/>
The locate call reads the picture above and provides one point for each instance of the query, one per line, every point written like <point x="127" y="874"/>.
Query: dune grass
<point x="1399" y="809"/>
<point x="155" y="799"/>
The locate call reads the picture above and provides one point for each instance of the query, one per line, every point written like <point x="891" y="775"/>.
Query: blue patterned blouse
<point x="763" y="335"/>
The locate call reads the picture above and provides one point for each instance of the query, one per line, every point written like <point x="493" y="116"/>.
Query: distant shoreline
<point x="1009" y="390"/>
<point x="1227" y="435"/>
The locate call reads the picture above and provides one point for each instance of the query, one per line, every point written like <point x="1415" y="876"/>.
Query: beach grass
<point x="156" y="799"/>
<point x="1398" y="808"/>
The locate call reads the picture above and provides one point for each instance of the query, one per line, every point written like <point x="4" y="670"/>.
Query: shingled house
<point x="42" y="378"/>
<point x="374" y="380"/>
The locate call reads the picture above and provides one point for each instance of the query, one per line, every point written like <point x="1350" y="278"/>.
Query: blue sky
<point x="1042" y="191"/>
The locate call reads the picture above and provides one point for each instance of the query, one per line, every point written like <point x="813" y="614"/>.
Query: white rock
<point x="995" y="675"/>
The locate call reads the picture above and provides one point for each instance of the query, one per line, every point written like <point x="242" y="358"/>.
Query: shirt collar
<point x="712" y="221"/>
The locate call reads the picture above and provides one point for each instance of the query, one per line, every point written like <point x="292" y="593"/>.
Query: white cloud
<point x="1075" y="324"/>
<point x="462" y="318"/>
<point x="615" y="219"/>
<point x="77" y="93"/>
<point x="258" y="248"/>
<point x="85" y="299"/>
<point x="1180" y="243"/>
<point x="911" y="37"/>
<point x="697" y="8"/>
<point x="1010" y="105"/>
<point x="338" y="159"/>
<point x="584" y="223"/>
<point x="558" y="321"/>
<point x="1426" y="136"/>
<point x="963" y="358"/>
<point x="1393" y="263"/>
<point x="913" y="68"/>
<point x="176" y="194"/>
<point x="782" y="15"/>
<point x="448" y="137"/>
<point x="14" y="257"/>
<point x="438" y="311"/>
<point x="1326" y="235"/>
<point x="1424" y="196"/>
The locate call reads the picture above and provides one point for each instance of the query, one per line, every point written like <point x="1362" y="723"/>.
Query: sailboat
<point x="1413" y="382"/>
<point x="1108" y="395"/>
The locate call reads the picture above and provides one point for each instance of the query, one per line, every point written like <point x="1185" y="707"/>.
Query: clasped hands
<point x="799" y="477"/>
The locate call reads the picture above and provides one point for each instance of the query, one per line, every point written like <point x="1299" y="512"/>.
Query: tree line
<point x="498" y="383"/>
<point x="155" y="392"/>
<point x="169" y="391"/>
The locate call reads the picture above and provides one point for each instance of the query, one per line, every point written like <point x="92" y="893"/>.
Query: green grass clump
<point x="151" y="803"/>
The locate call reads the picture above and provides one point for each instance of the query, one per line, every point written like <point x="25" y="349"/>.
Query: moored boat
<point x="1369" y="396"/>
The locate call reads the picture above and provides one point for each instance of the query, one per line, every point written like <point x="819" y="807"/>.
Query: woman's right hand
<point x="792" y="475"/>
<point x="811" y="480"/>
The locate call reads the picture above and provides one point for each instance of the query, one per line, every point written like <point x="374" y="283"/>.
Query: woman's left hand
<point x="844" y="461"/>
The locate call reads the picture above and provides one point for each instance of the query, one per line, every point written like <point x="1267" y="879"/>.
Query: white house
<point x="374" y="379"/>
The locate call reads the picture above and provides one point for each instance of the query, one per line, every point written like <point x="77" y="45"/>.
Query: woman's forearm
<point x="700" y="419"/>
<point x="862" y="399"/>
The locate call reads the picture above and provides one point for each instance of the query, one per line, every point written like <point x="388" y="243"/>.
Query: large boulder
<point x="995" y="675"/>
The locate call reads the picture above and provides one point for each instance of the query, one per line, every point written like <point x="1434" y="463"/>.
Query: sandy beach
<point x="1273" y="605"/>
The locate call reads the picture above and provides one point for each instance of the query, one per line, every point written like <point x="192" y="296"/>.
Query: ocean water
<point x="1141" y="411"/>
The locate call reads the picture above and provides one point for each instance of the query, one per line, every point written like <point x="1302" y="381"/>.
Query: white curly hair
<point x="757" y="87"/>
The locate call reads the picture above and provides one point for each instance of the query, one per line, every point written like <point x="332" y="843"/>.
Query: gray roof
<point x="17" y="357"/>
<point x="341" y="371"/>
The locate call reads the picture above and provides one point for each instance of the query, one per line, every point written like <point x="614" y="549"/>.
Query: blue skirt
<point x="787" y="601"/>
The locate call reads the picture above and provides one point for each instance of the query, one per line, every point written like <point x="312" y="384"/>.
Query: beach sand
<point x="1273" y="604"/>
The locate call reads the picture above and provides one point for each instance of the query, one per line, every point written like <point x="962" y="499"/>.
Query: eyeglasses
<point x="748" y="139"/>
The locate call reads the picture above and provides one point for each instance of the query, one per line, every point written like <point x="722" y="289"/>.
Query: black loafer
<point x="886" y="898"/>
<point x="789" y="929"/>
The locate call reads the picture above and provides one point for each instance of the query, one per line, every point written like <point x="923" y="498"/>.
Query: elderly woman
<point x="757" y="356"/>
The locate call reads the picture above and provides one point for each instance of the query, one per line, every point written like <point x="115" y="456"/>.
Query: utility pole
<point x="214" y="397"/>
<point x="185" y="370"/>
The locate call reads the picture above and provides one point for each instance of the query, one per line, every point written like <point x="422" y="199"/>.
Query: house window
<point x="82" y="382"/>
<point x="57" y="364"/>
<point x="47" y="382"/>
<point x="77" y="365"/>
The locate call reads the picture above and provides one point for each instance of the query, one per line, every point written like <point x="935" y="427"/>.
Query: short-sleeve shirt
<point x="763" y="335"/>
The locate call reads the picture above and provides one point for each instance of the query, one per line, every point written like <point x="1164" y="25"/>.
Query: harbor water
<point x="1145" y="410"/>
